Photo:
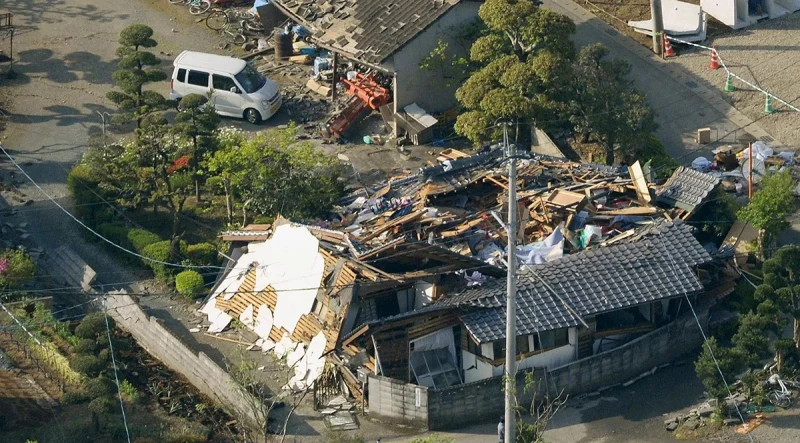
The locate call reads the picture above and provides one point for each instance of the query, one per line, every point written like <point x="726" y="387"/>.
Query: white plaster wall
<point x="424" y="294"/>
<point x="473" y="368"/>
<point x="427" y="89"/>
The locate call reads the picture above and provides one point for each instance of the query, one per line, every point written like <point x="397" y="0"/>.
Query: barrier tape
<point x="722" y="63"/>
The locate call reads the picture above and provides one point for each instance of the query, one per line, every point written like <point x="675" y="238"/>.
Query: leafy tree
<point x="197" y="121"/>
<point x="782" y="285"/>
<point x="770" y="206"/>
<point x="716" y="215"/>
<point x="606" y="105"/>
<point x="100" y="407"/>
<point x="752" y="339"/>
<point x="271" y="173"/>
<point x="86" y="346"/>
<point x="136" y="69"/>
<point x="525" y="57"/>
<point x="16" y="269"/>
<point x="708" y="373"/>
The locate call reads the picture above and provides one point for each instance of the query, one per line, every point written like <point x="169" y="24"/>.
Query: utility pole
<point x="658" y="26"/>
<point x="511" y="296"/>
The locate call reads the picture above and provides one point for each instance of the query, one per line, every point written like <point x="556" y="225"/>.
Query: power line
<point x="705" y="338"/>
<point x="116" y="376"/>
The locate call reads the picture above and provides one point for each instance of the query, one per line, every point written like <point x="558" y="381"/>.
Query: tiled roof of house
<point x="686" y="189"/>
<point x="368" y="30"/>
<point x="657" y="266"/>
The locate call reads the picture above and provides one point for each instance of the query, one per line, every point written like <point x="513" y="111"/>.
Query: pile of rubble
<point x="697" y="417"/>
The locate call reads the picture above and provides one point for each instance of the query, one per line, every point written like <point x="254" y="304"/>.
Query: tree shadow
<point x="80" y="65"/>
<point x="32" y="14"/>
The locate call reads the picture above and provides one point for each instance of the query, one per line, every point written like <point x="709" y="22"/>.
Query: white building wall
<point x="414" y="85"/>
<point x="475" y="369"/>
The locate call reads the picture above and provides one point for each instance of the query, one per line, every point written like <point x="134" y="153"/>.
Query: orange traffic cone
<point x="714" y="60"/>
<point x="668" y="51"/>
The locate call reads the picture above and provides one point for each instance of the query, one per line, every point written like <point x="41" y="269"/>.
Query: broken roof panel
<point x="368" y="30"/>
<point x="686" y="189"/>
<point x="551" y="296"/>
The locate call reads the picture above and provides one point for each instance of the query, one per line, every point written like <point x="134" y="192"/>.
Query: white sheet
<point x="264" y="322"/>
<point x="246" y="317"/>
<point x="297" y="277"/>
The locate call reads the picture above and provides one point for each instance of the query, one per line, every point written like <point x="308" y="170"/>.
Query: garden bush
<point x="86" y="346"/>
<point x="141" y="238"/>
<point x="72" y="397"/>
<point x="93" y="326"/>
<point x="88" y="365"/>
<point x="99" y="387"/>
<point x="87" y="196"/>
<point x="203" y="254"/>
<point x="189" y="283"/>
<point x="116" y="232"/>
<point x="160" y="252"/>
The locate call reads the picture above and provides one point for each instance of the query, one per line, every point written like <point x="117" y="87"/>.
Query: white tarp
<point x="760" y="151"/>
<point x="263" y="322"/>
<point x="297" y="276"/>
<point x="549" y="249"/>
<point x="442" y="338"/>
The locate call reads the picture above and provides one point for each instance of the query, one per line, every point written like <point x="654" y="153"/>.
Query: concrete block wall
<point x="393" y="401"/>
<point x="205" y="375"/>
<point x="483" y="400"/>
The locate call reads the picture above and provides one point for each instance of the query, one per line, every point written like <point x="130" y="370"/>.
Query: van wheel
<point x="252" y="116"/>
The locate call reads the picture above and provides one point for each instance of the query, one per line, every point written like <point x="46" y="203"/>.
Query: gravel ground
<point x="766" y="55"/>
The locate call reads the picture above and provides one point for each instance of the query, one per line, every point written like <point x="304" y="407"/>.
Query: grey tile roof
<point x="657" y="266"/>
<point x="686" y="189"/>
<point x="369" y="30"/>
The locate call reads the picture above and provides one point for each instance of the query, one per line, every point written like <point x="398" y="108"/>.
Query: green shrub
<point x="102" y="405"/>
<point x="86" y="195"/>
<point x="94" y="325"/>
<point x="141" y="238"/>
<point x="73" y="397"/>
<point x="86" y="346"/>
<point x="19" y="268"/>
<point x="189" y="283"/>
<point x="99" y="387"/>
<point x="203" y="254"/>
<point x="104" y="354"/>
<point x="116" y="232"/>
<point x="129" y="391"/>
<point x="160" y="252"/>
<point x="88" y="365"/>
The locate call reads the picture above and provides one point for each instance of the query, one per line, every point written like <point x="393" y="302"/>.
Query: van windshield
<point x="250" y="80"/>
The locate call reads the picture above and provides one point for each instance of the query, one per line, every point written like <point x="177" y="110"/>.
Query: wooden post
<point x="335" y="79"/>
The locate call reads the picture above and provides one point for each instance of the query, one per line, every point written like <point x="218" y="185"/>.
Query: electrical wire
<point x="116" y="376"/>
<point x="705" y="338"/>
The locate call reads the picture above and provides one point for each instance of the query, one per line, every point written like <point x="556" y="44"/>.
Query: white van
<point x="238" y="90"/>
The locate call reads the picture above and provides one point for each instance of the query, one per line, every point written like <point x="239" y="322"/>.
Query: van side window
<point x="222" y="82"/>
<point x="198" y="78"/>
<point x="181" y="75"/>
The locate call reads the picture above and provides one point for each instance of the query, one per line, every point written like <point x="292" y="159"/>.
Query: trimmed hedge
<point x="116" y="232"/>
<point x="160" y="251"/>
<point x="203" y="254"/>
<point x="141" y="238"/>
<point x="86" y="195"/>
<point x="189" y="283"/>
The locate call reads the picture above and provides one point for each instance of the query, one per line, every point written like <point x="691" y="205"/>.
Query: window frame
<point x="181" y="75"/>
<point x="225" y="77"/>
<point x="189" y="78"/>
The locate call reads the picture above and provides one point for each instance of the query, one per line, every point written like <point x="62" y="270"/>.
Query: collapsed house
<point x="406" y="279"/>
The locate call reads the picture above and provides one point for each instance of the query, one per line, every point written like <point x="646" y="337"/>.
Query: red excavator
<point x="365" y="95"/>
